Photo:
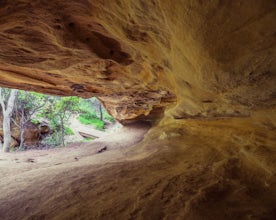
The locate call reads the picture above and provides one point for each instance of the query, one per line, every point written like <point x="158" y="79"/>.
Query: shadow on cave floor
<point x="188" y="169"/>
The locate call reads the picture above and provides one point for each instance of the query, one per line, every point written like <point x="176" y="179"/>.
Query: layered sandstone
<point x="206" y="68"/>
<point x="215" y="58"/>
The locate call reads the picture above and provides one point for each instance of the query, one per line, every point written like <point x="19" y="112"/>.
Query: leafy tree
<point x="60" y="110"/>
<point x="7" y="98"/>
<point x="28" y="104"/>
<point x="31" y="106"/>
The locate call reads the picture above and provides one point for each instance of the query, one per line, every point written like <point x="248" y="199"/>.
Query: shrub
<point x="52" y="140"/>
<point x="68" y="131"/>
<point x="35" y="121"/>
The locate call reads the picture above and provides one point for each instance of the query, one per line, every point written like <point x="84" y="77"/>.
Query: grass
<point x="88" y="119"/>
<point x="68" y="131"/>
<point x="87" y="139"/>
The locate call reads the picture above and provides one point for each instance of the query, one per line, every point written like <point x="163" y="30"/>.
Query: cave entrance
<point x="40" y="121"/>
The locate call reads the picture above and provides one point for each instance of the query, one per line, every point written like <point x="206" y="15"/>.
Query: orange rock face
<point x="208" y="58"/>
<point x="207" y="68"/>
<point x="64" y="49"/>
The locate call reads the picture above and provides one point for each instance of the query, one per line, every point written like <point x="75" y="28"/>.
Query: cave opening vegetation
<point x="50" y="115"/>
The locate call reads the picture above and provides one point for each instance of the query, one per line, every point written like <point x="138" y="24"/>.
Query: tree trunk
<point x="7" y="114"/>
<point x="101" y="111"/>
<point x="6" y="132"/>
<point x="22" y="129"/>
<point x="62" y="132"/>
<point x="22" y="140"/>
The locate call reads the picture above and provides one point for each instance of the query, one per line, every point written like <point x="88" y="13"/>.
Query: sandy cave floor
<point x="189" y="169"/>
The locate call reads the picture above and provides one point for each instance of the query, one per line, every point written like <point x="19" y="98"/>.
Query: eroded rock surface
<point x="215" y="58"/>
<point x="211" y="63"/>
<point x="186" y="171"/>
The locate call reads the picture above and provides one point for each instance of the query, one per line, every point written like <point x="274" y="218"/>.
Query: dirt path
<point x="113" y="144"/>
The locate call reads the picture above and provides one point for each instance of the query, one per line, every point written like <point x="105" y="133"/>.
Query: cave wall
<point x="194" y="58"/>
<point x="211" y="63"/>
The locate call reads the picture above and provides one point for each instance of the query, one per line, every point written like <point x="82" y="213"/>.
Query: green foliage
<point x="91" y="112"/>
<point x="87" y="116"/>
<point x="107" y="117"/>
<point x="85" y="121"/>
<point x="31" y="102"/>
<point x="92" y="106"/>
<point x="90" y="119"/>
<point x="87" y="139"/>
<point x="66" y="105"/>
<point x="68" y="131"/>
<point x="61" y="108"/>
<point x="59" y="112"/>
<point x="52" y="140"/>
<point x="35" y="121"/>
<point x="34" y="107"/>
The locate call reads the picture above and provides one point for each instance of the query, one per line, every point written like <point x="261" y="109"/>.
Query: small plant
<point x="35" y="121"/>
<point x="87" y="139"/>
<point x="68" y="131"/>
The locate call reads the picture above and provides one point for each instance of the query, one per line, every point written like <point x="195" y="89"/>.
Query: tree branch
<point x="39" y="107"/>
<point x="15" y="122"/>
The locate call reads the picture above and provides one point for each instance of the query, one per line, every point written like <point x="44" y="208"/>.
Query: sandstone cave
<point x="191" y="81"/>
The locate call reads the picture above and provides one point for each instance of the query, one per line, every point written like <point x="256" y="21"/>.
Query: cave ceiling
<point x="144" y="59"/>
